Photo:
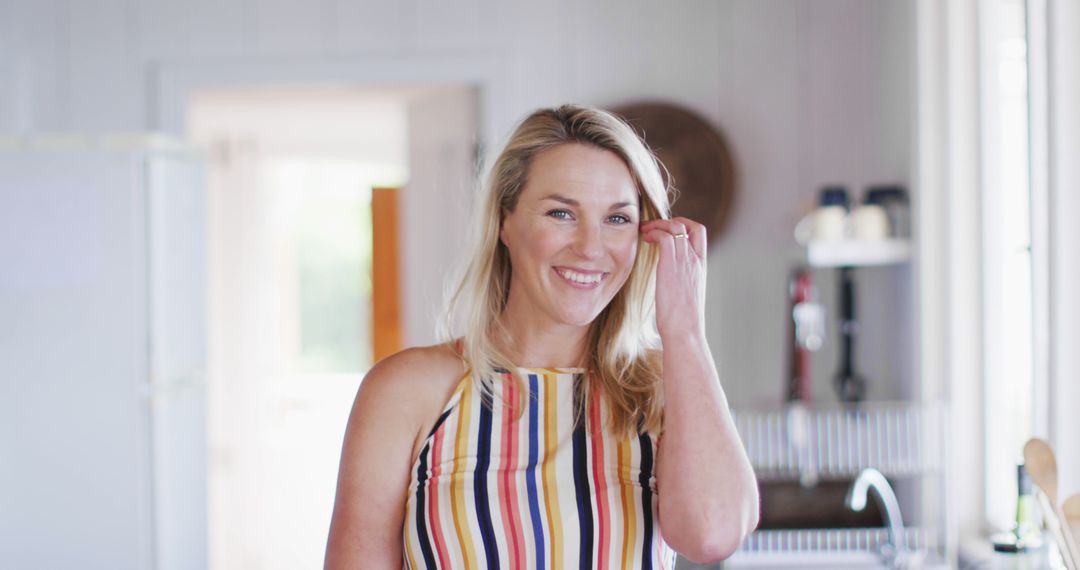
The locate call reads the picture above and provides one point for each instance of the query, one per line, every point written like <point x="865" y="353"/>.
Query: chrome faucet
<point x="896" y="554"/>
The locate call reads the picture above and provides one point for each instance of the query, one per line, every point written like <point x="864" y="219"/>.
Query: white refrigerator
<point x="102" y="353"/>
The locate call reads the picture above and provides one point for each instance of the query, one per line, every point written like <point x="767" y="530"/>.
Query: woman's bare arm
<point x="706" y="487"/>
<point x="390" y="410"/>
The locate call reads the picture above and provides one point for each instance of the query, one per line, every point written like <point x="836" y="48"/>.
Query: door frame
<point x="173" y="83"/>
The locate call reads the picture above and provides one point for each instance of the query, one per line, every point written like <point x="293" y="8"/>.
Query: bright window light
<point x="1007" y="256"/>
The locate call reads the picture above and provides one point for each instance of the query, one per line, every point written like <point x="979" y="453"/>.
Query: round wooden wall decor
<point x="695" y="154"/>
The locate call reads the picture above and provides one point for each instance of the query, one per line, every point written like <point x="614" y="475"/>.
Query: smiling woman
<point x="533" y="437"/>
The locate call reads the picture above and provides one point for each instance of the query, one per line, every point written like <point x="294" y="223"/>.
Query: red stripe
<point x="433" y="503"/>
<point x="511" y="514"/>
<point x="603" y="516"/>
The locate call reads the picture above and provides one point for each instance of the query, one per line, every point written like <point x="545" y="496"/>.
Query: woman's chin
<point x="582" y="318"/>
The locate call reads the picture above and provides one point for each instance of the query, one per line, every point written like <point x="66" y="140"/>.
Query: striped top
<point x="489" y="491"/>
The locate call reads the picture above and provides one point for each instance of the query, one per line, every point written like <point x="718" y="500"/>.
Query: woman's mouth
<point x="581" y="279"/>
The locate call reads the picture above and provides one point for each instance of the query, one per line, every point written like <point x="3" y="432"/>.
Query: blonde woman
<point x="578" y="421"/>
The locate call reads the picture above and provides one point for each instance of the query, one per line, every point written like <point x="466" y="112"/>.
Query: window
<point x="1008" y="294"/>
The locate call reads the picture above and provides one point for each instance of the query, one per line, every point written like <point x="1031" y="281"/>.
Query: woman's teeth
<point x="580" y="277"/>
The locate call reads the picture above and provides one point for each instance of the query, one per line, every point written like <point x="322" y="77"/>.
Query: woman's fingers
<point x="694" y="232"/>
<point x="697" y="235"/>
<point x="663" y="240"/>
<point x="665" y="231"/>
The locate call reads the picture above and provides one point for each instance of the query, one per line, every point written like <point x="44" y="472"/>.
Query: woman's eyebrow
<point x="575" y="203"/>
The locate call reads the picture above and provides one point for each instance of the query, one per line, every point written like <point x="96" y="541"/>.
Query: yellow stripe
<point x="457" y="483"/>
<point x="411" y="507"/>
<point x="551" y="493"/>
<point x="629" y="512"/>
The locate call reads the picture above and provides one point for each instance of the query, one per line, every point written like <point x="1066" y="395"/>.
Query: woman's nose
<point x="589" y="242"/>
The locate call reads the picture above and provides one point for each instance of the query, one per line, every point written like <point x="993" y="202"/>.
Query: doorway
<point x="298" y="309"/>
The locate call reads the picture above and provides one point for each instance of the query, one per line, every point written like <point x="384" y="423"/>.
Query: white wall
<point x="806" y="93"/>
<point x="1064" y="333"/>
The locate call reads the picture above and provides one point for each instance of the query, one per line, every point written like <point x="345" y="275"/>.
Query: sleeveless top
<point x="489" y="491"/>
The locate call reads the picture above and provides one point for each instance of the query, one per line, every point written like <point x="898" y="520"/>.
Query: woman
<point x="534" y="439"/>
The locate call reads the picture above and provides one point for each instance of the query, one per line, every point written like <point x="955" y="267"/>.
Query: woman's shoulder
<point x="418" y="366"/>
<point x="416" y="383"/>
<point x="431" y="358"/>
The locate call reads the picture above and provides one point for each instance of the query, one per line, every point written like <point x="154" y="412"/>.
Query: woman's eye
<point x="619" y="219"/>
<point x="560" y="214"/>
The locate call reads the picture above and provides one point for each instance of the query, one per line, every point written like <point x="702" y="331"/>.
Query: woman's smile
<point x="581" y="279"/>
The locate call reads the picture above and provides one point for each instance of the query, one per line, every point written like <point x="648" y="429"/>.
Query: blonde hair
<point x="621" y="354"/>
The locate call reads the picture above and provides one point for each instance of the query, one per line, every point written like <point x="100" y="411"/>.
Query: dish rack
<point x="833" y="540"/>
<point x="903" y="440"/>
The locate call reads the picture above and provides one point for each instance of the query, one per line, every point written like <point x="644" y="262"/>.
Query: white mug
<point x="870" y="222"/>
<point x="826" y="223"/>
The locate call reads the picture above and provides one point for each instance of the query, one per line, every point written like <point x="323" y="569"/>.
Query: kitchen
<point x="917" y="93"/>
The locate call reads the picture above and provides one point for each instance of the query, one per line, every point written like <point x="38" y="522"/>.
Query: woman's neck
<point x="543" y="344"/>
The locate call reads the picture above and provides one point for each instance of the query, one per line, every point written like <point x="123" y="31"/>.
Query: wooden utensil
<point x="1071" y="508"/>
<point x="1041" y="464"/>
<point x="1057" y="529"/>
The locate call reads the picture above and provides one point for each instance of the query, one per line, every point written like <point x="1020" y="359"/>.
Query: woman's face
<point x="573" y="235"/>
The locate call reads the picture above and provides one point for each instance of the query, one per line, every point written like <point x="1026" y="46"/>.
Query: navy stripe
<point x="530" y="472"/>
<point x="421" y="527"/>
<point x="439" y="422"/>
<point x="480" y="481"/>
<point x="646" y="499"/>
<point x="584" y="496"/>
<point x="421" y="491"/>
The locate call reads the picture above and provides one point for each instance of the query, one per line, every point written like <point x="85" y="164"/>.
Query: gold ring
<point x="677" y="236"/>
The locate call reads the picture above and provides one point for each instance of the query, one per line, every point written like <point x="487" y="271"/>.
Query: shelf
<point x="858" y="253"/>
